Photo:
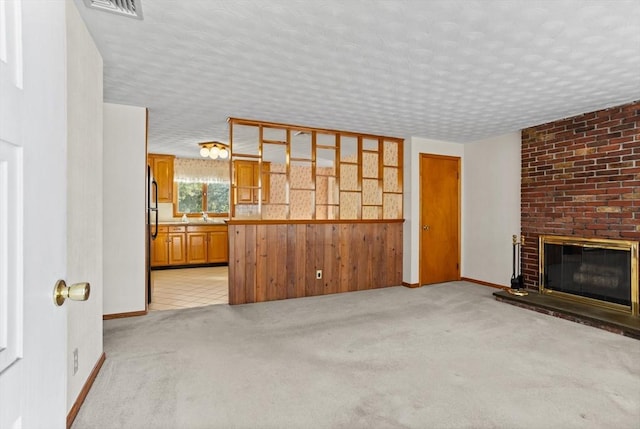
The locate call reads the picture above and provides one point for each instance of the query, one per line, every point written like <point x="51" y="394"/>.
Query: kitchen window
<point x="201" y="186"/>
<point x="197" y="197"/>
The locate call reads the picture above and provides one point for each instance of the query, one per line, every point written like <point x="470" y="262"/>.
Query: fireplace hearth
<point x="598" y="317"/>
<point x="590" y="281"/>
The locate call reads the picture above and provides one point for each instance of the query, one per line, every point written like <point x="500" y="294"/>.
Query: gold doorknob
<point x="75" y="292"/>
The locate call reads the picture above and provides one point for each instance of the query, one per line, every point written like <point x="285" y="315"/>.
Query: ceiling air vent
<point x="130" y="8"/>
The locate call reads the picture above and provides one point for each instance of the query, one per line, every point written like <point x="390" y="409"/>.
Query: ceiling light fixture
<point x="214" y="150"/>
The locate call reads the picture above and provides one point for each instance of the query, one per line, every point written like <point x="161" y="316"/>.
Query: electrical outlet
<point x="318" y="274"/>
<point x="75" y="361"/>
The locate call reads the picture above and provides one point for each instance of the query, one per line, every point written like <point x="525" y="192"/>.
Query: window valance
<point x="200" y="170"/>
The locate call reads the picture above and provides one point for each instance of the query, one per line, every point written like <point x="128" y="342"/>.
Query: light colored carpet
<point x="443" y="356"/>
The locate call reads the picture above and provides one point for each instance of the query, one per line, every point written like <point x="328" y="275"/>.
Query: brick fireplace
<point x="580" y="178"/>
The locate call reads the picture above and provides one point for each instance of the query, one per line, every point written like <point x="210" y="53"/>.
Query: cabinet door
<point x="177" y="249"/>
<point x="162" y="168"/>
<point x="217" y="249"/>
<point x="160" y="250"/>
<point x="197" y="247"/>
<point x="244" y="172"/>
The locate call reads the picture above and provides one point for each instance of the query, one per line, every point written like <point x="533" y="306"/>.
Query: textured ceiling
<point x="449" y="70"/>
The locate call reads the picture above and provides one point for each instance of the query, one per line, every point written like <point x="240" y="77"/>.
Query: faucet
<point x="204" y="216"/>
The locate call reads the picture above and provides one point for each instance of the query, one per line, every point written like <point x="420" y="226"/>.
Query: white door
<point x="32" y="214"/>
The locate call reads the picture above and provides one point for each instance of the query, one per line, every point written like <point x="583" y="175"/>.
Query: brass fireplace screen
<point x="599" y="272"/>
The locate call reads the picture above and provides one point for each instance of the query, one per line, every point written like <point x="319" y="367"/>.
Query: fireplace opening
<point x="600" y="272"/>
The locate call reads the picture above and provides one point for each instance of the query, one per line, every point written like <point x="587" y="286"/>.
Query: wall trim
<point x="122" y="315"/>
<point x="73" y="412"/>
<point x="483" y="283"/>
<point x="411" y="285"/>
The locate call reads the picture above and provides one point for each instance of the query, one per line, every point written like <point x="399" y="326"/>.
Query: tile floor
<point x="189" y="287"/>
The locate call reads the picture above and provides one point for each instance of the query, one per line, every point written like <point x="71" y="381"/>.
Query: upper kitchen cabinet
<point x="251" y="180"/>
<point x="162" y="171"/>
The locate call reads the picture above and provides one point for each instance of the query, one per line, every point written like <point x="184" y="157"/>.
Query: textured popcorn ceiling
<point x="450" y="70"/>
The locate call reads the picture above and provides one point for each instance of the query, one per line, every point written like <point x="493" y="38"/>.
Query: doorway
<point x="439" y="218"/>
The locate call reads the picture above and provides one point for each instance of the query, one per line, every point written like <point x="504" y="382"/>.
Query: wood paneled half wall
<point x="271" y="260"/>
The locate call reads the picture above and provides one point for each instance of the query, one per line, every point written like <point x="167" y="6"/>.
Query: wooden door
<point x="177" y="249"/>
<point x="33" y="251"/>
<point x="196" y="247"/>
<point x="218" y="247"/>
<point x="439" y="219"/>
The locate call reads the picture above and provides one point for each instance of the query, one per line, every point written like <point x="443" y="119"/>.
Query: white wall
<point x="490" y="208"/>
<point x="125" y="164"/>
<point x="491" y="216"/>
<point x="413" y="147"/>
<point x="84" y="199"/>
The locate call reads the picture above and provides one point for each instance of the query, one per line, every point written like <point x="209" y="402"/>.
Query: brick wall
<point x="581" y="177"/>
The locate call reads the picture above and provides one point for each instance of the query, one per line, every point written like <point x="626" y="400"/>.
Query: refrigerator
<point x="151" y="224"/>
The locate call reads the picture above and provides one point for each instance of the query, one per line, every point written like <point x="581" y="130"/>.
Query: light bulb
<point x="214" y="152"/>
<point x="204" y="151"/>
<point x="224" y="153"/>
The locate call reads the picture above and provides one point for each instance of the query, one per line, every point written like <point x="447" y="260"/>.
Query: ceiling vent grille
<point x="130" y="8"/>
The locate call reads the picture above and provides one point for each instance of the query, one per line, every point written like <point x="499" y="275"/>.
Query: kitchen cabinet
<point x="160" y="249"/>
<point x="189" y="245"/>
<point x="162" y="171"/>
<point x="218" y="246"/>
<point x="169" y="247"/>
<point x="177" y="249"/>
<point x="197" y="247"/>
<point x="247" y="184"/>
<point x="207" y="244"/>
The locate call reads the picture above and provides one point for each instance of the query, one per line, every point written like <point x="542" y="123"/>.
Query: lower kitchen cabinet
<point x="169" y="247"/>
<point x="160" y="249"/>
<point x="218" y="246"/>
<point x="177" y="249"/>
<point x="197" y="247"/>
<point x="207" y="244"/>
<point x="189" y="245"/>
